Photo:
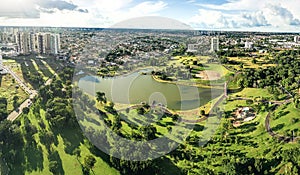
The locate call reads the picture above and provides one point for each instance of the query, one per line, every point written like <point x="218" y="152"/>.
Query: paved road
<point x="32" y="93"/>
<point x="15" y="114"/>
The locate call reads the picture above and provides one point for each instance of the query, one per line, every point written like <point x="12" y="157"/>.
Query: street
<point x="32" y="93"/>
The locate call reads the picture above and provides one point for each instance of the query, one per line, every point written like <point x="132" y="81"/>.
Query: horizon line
<point x="167" y="29"/>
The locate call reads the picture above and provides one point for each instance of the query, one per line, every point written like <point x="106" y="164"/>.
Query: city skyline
<point x="233" y="15"/>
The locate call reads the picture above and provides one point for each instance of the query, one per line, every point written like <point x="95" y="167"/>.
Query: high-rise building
<point x="1" y="63"/>
<point x="47" y="40"/>
<point x="32" y="42"/>
<point x="22" y="42"/>
<point x="214" y="44"/>
<point x="296" y="39"/>
<point x="48" y="43"/>
<point x="55" y="43"/>
<point x="7" y="38"/>
<point x="41" y="43"/>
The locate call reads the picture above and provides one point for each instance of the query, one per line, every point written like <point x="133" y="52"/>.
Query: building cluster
<point x="30" y="42"/>
<point x="204" y="44"/>
<point x="41" y="43"/>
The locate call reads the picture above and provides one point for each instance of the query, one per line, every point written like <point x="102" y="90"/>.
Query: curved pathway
<point x="275" y="135"/>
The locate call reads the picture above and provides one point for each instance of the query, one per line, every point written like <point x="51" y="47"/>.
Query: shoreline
<point x="191" y="84"/>
<point x="187" y="84"/>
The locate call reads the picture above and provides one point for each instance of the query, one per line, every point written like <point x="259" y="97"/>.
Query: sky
<point x="234" y="15"/>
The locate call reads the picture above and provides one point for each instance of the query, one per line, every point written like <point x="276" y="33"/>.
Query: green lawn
<point x="10" y="88"/>
<point x="247" y="63"/>
<point x="218" y="68"/>
<point x="252" y="93"/>
<point x="66" y="141"/>
<point x="286" y="119"/>
<point x="37" y="68"/>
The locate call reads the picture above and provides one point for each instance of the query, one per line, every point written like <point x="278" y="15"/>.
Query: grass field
<point x="10" y="88"/>
<point x="253" y="93"/>
<point x="248" y="62"/>
<point x="36" y="153"/>
<point x="253" y="140"/>
<point x="286" y="119"/>
<point x="65" y="141"/>
<point x="16" y="67"/>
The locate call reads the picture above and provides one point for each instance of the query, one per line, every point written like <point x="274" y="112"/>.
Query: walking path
<point x="32" y="93"/>
<point x="275" y="135"/>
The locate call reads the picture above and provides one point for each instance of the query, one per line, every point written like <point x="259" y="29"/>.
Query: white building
<point x="41" y="43"/>
<point x="296" y="39"/>
<point x="214" y="44"/>
<point x="22" y="42"/>
<point x="193" y="47"/>
<point x="248" y="45"/>
<point x="1" y="63"/>
<point x="32" y="42"/>
<point x="55" y="43"/>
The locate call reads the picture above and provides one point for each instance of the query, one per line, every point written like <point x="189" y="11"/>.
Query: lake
<point x="136" y="88"/>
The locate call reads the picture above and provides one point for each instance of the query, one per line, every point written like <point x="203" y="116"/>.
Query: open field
<point x="252" y="93"/>
<point x="248" y="63"/>
<point x="16" y="68"/>
<point x="38" y="151"/>
<point x="286" y="119"/>
<point x="9" y="88"/>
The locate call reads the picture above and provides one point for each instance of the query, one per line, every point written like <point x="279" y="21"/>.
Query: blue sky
<point x="250" y="15"/>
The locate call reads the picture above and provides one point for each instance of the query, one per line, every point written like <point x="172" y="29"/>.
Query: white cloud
<point x="110" y="5"/>
<point x="191" y="1"/>
<point x="248" y="14"/>
<point x="147" y="8"/>
<point x="232" y="14"/>
<point x="59" y="18"/>
<point x="213" y="19"/>
<point x="278" y="16"/>
<point x="239" y="5"/>
<point x="254" y="19"/>
<point x="101" y="13"/>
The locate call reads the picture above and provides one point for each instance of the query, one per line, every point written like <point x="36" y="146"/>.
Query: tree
<point x="26" y="110"/>
<point x="3" y="108"/>
<point x="148" y="132"/>
<point x="100" y="97"/>
<point x="249" y="101"/>
<point x="77" y="152"/>
<point x="175" y="118"/>
<point x="202" y="112"/>
<point x="89" y="162"/>
<point x="15" y="102"/>
<point x="141" y="111"/>
<point x="53" y="166"/>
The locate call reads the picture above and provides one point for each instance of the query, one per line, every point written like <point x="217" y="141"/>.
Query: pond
<point x="136" y="88"/>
